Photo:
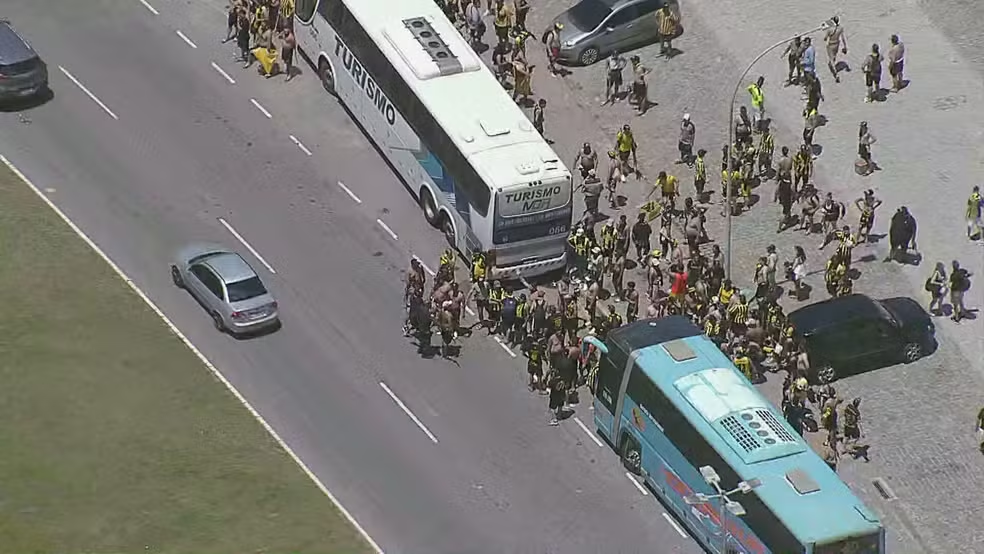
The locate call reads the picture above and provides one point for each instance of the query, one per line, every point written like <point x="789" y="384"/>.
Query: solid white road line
<point x="588" y="432"/>
<point x="87" y="92"/>
<point x="505" y="347"/>
<point x="423" y="265"/>
<point x="641" y="488"/>
<point x="301" y="145"/>
<point x="470" y="311"/>
<point x="198" y="353"/>
<point x="248" y="246"/>
<point x="152" y="9"/>
<point x="349" y="192"/>
<point x="387" y="229"/>
<point x="222" y="72"/>
<point x="669" y="519"/>
<point x="408" y="412"/>
<point x="261" y="108"/>
<point x="186" y="39"/>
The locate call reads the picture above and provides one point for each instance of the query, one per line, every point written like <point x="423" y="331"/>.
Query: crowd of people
<point x="264" y="33"/>
<point x="684" y="272"/>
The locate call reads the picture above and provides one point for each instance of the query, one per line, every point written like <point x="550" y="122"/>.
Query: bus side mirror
<point x="593" y="341"/>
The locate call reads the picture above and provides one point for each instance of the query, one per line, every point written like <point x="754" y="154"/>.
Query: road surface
<point x="155" y="137"/>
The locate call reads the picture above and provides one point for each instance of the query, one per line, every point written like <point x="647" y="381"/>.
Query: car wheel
<point x="327" y="77"/>
<point x="176" y="277"/>
<point x="428" y="207"/>
<point x="217" y="321"/>
<point x="589" y="55"/>
<point x="826" y="374"/>
<point x="631" y="456"/>
<point x="912" y="352"/>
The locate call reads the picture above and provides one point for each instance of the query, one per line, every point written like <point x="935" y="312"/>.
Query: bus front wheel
<point x="429" y="208"/>
<point x="327" y="77"/>
<point x="632" y="456"/>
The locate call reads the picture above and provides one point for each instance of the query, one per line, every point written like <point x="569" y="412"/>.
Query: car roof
<point x="809" y="319"/>
<point x="13" y="49"/>
<point x="230" y="267"/>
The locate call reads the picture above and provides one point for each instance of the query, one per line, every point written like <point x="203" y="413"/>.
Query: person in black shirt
<point x="959" y="284"/>
<point x="641" y="233"/>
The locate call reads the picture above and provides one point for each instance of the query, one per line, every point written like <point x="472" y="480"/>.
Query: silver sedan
<point x="227" y="287"/>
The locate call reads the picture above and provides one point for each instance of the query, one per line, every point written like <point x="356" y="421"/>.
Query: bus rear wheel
<point x="631" y="456"/>
<point x="429" y="208"/>
<point x="327" y="77"/>
<point x="448" y="229"/>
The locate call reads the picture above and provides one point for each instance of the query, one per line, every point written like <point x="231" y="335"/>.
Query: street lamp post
<point x="712" y="478"/>
<point x="731" y="139"/>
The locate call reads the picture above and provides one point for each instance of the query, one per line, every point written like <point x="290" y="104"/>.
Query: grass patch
<point x="113" y="436"/>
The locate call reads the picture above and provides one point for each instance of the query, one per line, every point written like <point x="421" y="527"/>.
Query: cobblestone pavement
<point x="918" y="418"/>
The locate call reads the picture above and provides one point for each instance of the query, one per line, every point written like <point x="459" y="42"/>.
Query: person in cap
<point x="688" y="132"/>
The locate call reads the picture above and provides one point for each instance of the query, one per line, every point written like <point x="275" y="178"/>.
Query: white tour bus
<point x="479" y="170"/>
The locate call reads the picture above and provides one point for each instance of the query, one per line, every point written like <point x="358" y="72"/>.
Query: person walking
<point x="613" y="77"/>
<point x="872" y="68"/>
<point x="758" y="103"/>
<point x="836" y="42"/>
<point x="688" y="133"/>
<point x="288" y="45"/>
<point x="936" y="287"/>
<point x="975" y="209"/>
<point x="667" y="30"/>
<point x="865" y="164"/>
<point x="959" y="285"/>
<point x="896" y="63"/>
<point x="793" y="54"/>
<point x="808" y="59"/>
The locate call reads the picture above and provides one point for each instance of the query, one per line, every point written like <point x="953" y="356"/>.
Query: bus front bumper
<point x="529" y="270"/>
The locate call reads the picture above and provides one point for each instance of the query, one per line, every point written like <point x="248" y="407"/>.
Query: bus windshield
<point x="532" y="211"/>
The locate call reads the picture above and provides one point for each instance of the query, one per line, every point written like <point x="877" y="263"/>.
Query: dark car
<point x="845" y="335"/>
<point x="22" y="73"/>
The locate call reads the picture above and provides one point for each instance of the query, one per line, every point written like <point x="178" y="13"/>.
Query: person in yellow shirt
<point x="758" y="103"/>
<point x="668" y="187"/>
<point x="625" y="145"/>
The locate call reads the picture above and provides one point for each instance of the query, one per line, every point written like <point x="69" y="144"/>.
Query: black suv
<point x="22" y="73"/>
<point x="847" y="334"/>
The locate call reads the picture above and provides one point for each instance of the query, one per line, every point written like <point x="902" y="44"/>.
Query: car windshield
<point x="886" y="313"/>
<point x="246" y="289"/>
<point x="588" y="14"/>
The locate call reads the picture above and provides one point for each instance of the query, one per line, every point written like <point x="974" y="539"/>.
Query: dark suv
<point x="847" y="334"/>
<point x="22" y="73"/>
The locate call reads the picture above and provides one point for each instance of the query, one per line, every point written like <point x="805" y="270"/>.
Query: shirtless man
<point x="836" y="42"/>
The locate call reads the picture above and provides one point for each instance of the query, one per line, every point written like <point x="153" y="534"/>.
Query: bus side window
<point x="644" y="392"/>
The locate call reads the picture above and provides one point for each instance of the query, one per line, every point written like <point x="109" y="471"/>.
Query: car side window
<point x="208" y="278"/>
<point x="622" y="17"/>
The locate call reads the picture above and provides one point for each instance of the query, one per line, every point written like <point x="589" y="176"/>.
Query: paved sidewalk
<point x="918" y="418"/>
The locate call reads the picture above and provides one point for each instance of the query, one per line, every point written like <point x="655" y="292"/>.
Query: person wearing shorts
<point x="896" y="62"/>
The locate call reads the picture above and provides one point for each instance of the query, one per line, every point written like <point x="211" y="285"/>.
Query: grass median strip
<point x="113" y="437"/>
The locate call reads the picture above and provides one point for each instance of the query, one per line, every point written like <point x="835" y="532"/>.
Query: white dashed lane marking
<point x="588" y="432"/>
<point x="248" y="246"/>
<point x="301" y="145"/>
<point x="185" y="38"/>
<point x="222" y="72"/>
<point x="407" y="411"/>
<point x="349" y="192"/>
<point x="152" y="9"/>
<point x="639" y="486"/>
<point x="505" y="347"/>
<point x="88" y="92"/>
<point x="261" y="108"/>
<point x="387" y="229"/>
<point x="676" y="526"/>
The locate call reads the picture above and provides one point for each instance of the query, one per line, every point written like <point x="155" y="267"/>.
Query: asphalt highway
<point x="155" y="138"/>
